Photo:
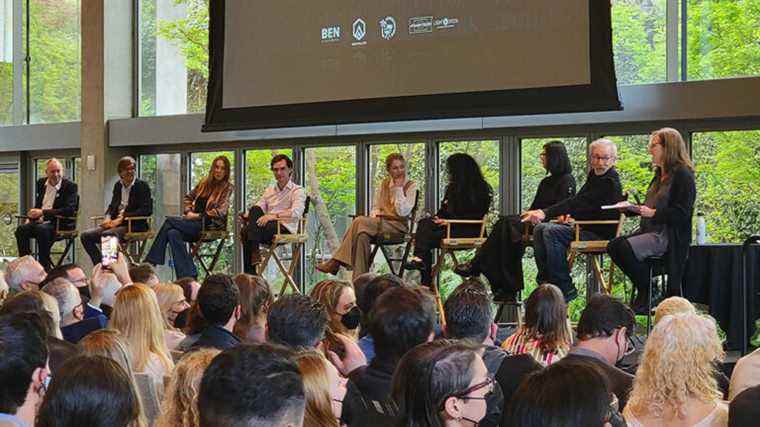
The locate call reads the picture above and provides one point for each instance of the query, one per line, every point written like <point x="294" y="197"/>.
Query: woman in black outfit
<point x="665" y="228"/>
<point x="467" y="196"/>
<point x="500" y="257"/>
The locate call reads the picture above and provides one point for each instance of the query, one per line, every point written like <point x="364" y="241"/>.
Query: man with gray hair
<point x="24" y="274"/>
<point x="55" y="197"/>
<point x="131" y="197"/>
<point x="73" y="324"/>
<point x="551" y="240"/>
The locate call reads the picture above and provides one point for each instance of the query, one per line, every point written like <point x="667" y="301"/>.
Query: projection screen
<point x="279" y="63"/>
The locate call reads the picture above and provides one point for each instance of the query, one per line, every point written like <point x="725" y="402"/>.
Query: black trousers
<point x="500" y="257"/>
<point x="44" y="233"/>
<point x="252" y="235"/>
<point x="621" y="253"/>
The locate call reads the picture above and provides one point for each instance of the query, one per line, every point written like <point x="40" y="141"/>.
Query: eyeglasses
<point x="488" y="382"/>
<point x="602" y="158"/>
<point x="631" y="348"/>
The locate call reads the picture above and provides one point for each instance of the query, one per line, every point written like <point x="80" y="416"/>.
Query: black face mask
<point x="181" y="320"/>
<point x="351" y="319"/>
<point x="84" y="293"/>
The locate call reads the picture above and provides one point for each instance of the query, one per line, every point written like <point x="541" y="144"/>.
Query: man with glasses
<point x="604" y="338"/>
<point x="552" y="240"/>
<point x="74" y="325"/>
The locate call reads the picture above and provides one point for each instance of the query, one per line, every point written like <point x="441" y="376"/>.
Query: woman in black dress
<point x="500" y="257"/>
<point x="467" y="196"/>
<point x="665" y="228"/>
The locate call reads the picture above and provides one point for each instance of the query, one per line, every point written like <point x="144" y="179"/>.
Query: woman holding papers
<point x="665" y="228"/>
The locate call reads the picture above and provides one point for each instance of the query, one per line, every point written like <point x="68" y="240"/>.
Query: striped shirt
<point x="521" y="343"/>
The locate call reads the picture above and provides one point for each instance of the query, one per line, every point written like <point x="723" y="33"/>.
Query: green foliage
<point x="638" y="36"/>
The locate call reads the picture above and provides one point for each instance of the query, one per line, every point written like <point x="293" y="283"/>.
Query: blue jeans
<point x="175" y="232"/>
<point x="550" y="244"/>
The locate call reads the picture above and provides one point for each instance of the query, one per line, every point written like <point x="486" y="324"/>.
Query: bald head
<point x="54" y="171"/>
<point x="24" y="274"/>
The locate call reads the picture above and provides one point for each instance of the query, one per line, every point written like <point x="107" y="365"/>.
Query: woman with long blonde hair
<point x="205" y="206"/>
<point x="180" y="405"/>
<point x="137" y="316"/>
<point x="172" y="302"/>
<point x="675" y="383"/>
<point x="340" y="300"/>
<point x="324" y="388"/>
<point x="665" y="229"/>
<point x="393" y="201"/>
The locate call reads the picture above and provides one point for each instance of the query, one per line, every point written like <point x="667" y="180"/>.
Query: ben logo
<point x="359" y="29"/>
<point x="331" y="34"/>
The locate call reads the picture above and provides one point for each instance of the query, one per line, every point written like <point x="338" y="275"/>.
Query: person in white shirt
<point x="283" y="199"/>
<point x="393" y="202"/>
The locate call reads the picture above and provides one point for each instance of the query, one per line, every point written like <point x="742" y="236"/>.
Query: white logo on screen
<point x="360" y="29"/>
<point x="388" y="27"/>
<point x="421" y="24"/>
<point x="331" y="34"/>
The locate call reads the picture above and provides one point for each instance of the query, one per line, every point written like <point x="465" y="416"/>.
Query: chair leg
<point x="387" y="257"/>
<point x="571" y="260"/>
<point x="69" y="243"/>
<point x="217" y="253"/>
<point x="436" y="286"/>
<point x="407" y="249"/>
<point x="649" y="301"/>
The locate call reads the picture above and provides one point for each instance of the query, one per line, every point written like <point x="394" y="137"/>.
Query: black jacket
<point x="553" y="189"/>
<point x="140" y="203"/>
<point x="66" y="202"/>
<point x="599" y="190"/>
<point x="620" y="382"/>
<point x="216" y="337"/>
<point x="368" y="402"/>
<point x="476" y="210"/>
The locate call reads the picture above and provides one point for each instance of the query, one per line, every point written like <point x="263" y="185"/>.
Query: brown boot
<point x="331" y="266"/>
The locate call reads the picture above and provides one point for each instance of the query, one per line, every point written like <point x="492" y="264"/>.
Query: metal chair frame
<point x="594" y="250"/>
<point x="208" y="236"/>
<point x="382" y="241"/>
<point x="70" y="236"/>
<point x="133" y="243"/>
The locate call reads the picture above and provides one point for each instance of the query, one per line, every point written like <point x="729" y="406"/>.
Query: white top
<point x="50" y="192"/>
<point x="288" y="202"/>
<point x="746" y="374"/>
<point x="173" y="338"/>
<point x="157" y="372"/>
<point x="402" y="202"/>
<point x="718" y="417"/>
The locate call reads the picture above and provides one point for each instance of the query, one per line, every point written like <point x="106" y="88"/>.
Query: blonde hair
<point x="167" y="295"/>
<point x="328" y="292"/>
<point x="678" y="364"/>
<point x="674" y="152"/>
<point x="180" y="404"/>
<point x="51" y="306"/>
<point x="316" y="384"/>
<point x="137" y="316"/>
<point x="673" y="305"/>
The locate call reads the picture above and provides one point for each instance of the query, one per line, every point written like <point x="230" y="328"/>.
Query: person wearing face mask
<point x="171" y="301"/>
<point x="344" y="315"/>
<point x="24" y="370"/>
<point x="131" y="197"/>
<point x="74" y="326"/>
<point x="442" y="383"/>
<point x="393" y="201"/>
<point x="604" y="332"/>
<point x="219" y="303"/>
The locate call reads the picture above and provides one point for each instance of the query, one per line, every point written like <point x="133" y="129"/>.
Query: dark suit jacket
<point x="216" y="337"/>
<point x="140" y="203"/>
<point x="76" y="331"/>
<point x="620" y="382"/>
<point x="66" y="202"/>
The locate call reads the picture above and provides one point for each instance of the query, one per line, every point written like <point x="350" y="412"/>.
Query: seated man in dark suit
<point x="131" y="197"/>
<point x="219" y="304"/>
<point x="74" y="326"/>
<point x="55" y="195"/>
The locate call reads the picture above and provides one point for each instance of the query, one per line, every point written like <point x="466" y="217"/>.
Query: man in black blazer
<point x="55" y="195"/>
<point x="131" y="197"/>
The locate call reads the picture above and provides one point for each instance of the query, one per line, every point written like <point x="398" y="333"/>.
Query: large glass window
<point x="635" y="168"/>
<point x="10" y="80"/>
<point x="331" y="183"/>
<point x="728" y="182"/>
<point x="723" y="39"/>
<point x="173" y="55"/>
<point x="9" y="206"/>
<point x="638" y="38"/>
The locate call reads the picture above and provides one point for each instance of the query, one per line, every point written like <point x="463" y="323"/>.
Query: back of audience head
<point x="401" y="319"/>
<point x="678" y="363"/>
<point x="324" y="389"/>
<point x="566" y="394"/>
<point x="439" y="382"/>
<point x="171" y="301"/>
<point x="372" y="290"/>
<point x="606" y="323"/>
<point x="91" y="391"/>
<point x="360" y="283"/>
<point x="143" y="273"/>
<point x="24" y="362"/>
<point x="296" y="320"/>
<point x="39" y="303"/>
<point x="546" y="318"/>
<point x="277" y="401"/>
<point x="673" y="305"/>
<point x="255" y="299"/>
<point x="180" y="407"/>
<point x="219" y="300"/>
<point x="4" y="289"/>
<point x="190" y="287"/>
<point x="24" y="274"/>
<point x="70" y="305"/>
<point x="339" y="299"/>
<point x="469" y="314"/>
<point x="744" y="410"/>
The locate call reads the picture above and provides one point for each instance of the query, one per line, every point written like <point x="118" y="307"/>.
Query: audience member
<point x="191" y="287"/>
<point x="145" y="274"/>
<point x="23" y="368"/>
<point x="172" y="303"/>
<point x="675" y="383"/>
<point x="567" y="394"/>
<point x="296" y="321"/>
<point x="746" y="374"/>
<point x="219" y="302"/>
<point x="180" y="404"/>
<point x="604" y="332"/>
<point x="361" y="281"/>
<point x="196" y="323"/>
<point x="4" y="289"/>
<point x="373" y="289"/>
<point x="442" y="383"/>
<point x="71" y="308"/>
<point x="91" y="391"/>
<point x="255" y="299"/>
<point x="103" y="287"/>
<point x="137" y="316"/>
<point x="401" y="319"/>
<point x="546" y="333"/>
<point x="325" y="389"/>
<point x="24" y="274"/>
<point x="232" y="392"/>
<point x="744" y="410"/>
<point x="74" y="274"/>
<point x="673" y="305"/>
<point x="340" y="301"/>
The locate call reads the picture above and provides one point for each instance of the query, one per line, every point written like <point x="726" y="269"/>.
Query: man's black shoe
<point x="467" y="269"/>
<point x="414" y="264"/>
<point x="570" y="295"/>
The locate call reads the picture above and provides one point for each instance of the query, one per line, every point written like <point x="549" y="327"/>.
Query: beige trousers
<point x="355" y="249"/>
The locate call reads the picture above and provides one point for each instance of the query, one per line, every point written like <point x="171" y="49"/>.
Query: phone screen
<point x="109" y="247"/>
